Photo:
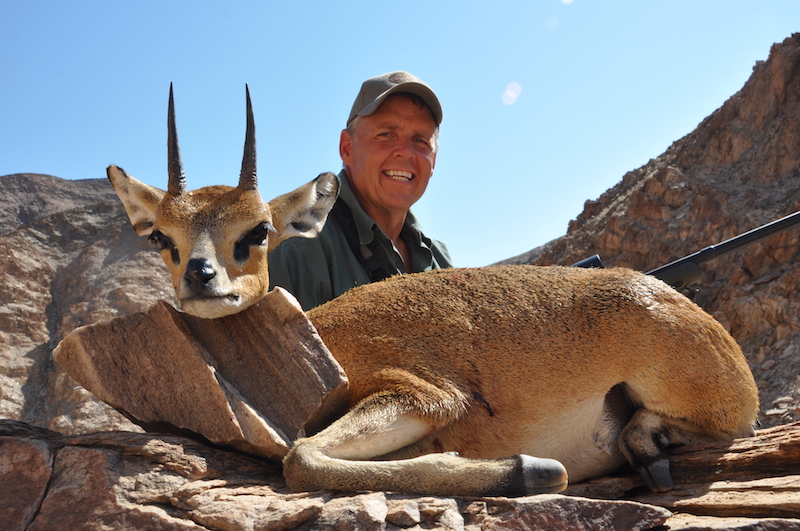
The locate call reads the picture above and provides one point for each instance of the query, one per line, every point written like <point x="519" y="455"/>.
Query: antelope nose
<point x="199" y="271"/>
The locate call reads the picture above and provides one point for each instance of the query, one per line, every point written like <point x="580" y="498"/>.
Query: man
<point x="388" y="152"/>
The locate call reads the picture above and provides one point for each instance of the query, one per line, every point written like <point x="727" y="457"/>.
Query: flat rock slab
<point x="750" y="478"/>
<point x="256" y="380"/>
<point x="134" y="481"/>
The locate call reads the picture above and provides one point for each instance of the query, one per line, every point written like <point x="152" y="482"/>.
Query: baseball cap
<point x="376" y="89"/>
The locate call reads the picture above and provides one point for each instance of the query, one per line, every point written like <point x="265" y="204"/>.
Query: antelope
<point x="474" y="382"/>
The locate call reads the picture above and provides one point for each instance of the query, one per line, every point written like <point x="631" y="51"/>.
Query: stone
<point x="132" y="481"/>
<point x="26" y="465"/>
<point x="126" y="481"/>
<point x="750" y="479"/>
<point x="256" y="380"/>
<point x="552" y="511"/>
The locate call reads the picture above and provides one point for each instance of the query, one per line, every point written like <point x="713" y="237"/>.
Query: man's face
<point x="390" y="157"/>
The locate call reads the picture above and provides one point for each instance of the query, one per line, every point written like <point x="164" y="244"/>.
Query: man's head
<point x="389" y="146"/>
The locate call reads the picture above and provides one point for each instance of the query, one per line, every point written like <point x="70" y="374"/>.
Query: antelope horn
<point x="177" y="180"/>
<point x="247" y="178"/>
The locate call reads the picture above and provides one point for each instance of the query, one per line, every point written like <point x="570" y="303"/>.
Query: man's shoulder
<point x="317" y="250"/>
<point x="438" y="249"/>
<point x="438" y="244"/>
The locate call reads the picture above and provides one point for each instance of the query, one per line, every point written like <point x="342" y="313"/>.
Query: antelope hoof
<point x="542" y="476"/>
<point x="656" y="476"/>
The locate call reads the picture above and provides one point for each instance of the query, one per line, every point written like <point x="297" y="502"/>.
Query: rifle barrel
<point x="689" y="264"/>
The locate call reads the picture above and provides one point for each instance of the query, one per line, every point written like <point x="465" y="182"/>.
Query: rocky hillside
<point x="25" y="197"/>
<point x="68" y="257"/>
<point x="738" y="170"/>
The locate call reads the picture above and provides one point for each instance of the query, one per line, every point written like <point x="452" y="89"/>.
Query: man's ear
<point x="140" y="199"/>
<point x="345" y="147"/>
<point x="304" y="211"/>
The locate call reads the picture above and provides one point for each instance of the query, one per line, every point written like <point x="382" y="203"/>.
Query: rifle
<point x="686" y="271"/>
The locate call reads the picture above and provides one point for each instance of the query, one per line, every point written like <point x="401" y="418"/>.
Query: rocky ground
<point x="132" y="481"/>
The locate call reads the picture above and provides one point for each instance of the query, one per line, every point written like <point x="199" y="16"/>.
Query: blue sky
<point x="601" y="88"/>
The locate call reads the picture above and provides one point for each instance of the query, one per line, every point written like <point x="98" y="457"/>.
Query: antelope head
<point x="215" y="240"/>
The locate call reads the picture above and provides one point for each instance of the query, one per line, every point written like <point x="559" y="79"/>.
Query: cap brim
<point x="418" y="89"/>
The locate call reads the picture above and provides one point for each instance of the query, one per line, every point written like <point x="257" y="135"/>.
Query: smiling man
<point x="388" y="151"/>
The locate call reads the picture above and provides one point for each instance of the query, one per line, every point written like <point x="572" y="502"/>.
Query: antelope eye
<point x="163" y="243"/>
<point x="158" y="239"/>
<point x="256" y="236"/>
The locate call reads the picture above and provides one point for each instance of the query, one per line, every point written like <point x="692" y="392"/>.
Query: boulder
<point x="256" y="380"/>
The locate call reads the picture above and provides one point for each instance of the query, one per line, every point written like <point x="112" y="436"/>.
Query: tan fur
<point x="518" y="360"/>
<point x="458" y="377"/>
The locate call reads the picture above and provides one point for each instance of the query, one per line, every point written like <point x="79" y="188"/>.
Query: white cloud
<point x="513" y="90"/>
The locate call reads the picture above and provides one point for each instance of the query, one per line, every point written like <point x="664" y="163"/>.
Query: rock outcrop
<point x="738" y="170"/>
<point x="69" y="258"/>
<point x="60" y="270"/>
<point x="256" y="380"/>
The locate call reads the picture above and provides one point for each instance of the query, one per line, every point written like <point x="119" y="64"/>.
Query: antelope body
<point x="495" y="381"/>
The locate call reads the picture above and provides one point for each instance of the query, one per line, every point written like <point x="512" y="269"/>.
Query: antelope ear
<point x="304" y="211"/>
<point x="140" y="199"/>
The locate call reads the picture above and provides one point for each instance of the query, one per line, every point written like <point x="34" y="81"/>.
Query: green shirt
<point x="316" y="270"/>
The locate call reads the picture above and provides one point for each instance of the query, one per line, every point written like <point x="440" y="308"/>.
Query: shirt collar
<point x="367" y="228"/>
<point x="365" y="225"/>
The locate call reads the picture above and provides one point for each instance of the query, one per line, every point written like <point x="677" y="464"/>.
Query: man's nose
<point x="405" y="148"/>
